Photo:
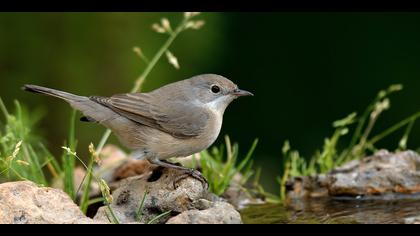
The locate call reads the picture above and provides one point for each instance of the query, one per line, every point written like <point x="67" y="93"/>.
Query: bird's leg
<point x="138" y="155"/>
<point x="188" y="172"/>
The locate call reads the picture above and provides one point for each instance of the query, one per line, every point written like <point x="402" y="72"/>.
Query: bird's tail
<point x="53" y="92"/>
<point x="92" y="110"/>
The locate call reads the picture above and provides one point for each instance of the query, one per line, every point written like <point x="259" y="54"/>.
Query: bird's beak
<point x="240" y="93"/>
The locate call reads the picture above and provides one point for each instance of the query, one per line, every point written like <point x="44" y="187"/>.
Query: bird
<point x="176" y="120"/>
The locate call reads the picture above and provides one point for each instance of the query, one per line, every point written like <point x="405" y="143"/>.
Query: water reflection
<point x="348" y="211"/>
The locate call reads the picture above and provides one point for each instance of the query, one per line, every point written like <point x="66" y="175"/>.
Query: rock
<point x="129" y="179"/>
<point x="219" y="213"/>
<point x="307" y="187"/>
<point x="117" y="166"/>
<point x="412" y="220"/>
<point x="381" y="173"/>
<point x="24" y="202"/>
<point x="163" y="195"/>
<point x="203" y="204"/>
<point x="187" y="195"/>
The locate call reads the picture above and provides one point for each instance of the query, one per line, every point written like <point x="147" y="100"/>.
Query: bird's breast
<point x="213" y="127"/>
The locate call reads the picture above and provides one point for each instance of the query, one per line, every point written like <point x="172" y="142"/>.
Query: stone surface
<point x="24" y="202"/>
<point x="218" y="213"/>
<point x="117" y="166"/>
<point x="168" y="190"/>
<point x="382" y="174"/>
<point x="307" y="187"/>
<point x="412" y="220"/>
<point x="164" y="194"/>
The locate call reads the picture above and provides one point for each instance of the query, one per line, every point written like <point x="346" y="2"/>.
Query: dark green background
<point x="306" y="69"/>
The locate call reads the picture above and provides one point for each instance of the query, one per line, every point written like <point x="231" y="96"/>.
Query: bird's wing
<point x="172" y="116"/>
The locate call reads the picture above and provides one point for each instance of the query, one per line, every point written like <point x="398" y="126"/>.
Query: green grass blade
<point x="139" y="213"/>
<point x="84" y="204"/>
<point x="248" y="155"/>
<point x="152" y="221"/>
<point x="51" y="159"/>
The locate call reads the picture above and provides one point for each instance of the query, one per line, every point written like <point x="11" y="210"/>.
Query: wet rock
<point x="381" y="173"/>
<point x="307" y="187"/>
<point x="25" y="203"/>
<point x="164" y="194"/>
<point x="218" y="213"/>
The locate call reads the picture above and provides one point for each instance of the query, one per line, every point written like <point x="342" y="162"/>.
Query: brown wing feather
<point x="172" y="116"/>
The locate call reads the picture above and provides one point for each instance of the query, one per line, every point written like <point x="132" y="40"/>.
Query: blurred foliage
<point x="22" y="155"/>
<point x="304" y="68"/>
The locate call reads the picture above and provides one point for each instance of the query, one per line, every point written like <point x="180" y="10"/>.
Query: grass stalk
<point x="141" y="79"/>
<point x="393" y="128"/>
<point x="84" y="203"/>
<point x="104" y="187"/>
<point x="139" y="213"/>
<point x="152" y="221"/>
<point x="68" y="162"/>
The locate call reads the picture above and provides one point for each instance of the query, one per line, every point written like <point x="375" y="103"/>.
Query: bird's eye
<point x="215" y="89"/>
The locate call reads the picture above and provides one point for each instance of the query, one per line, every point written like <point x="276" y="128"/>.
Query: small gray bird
<point x="176" y="120"/>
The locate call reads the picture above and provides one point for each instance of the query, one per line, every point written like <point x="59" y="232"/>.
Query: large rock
<point x="167" y="191"/>
<point x="164" y="194"/>
<point x="25" y="203"/>
<point x="382" y="174"/>
<point x="218" y="213"/>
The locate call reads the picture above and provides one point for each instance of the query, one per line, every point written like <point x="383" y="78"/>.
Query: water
<point x="330" y="211"/>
